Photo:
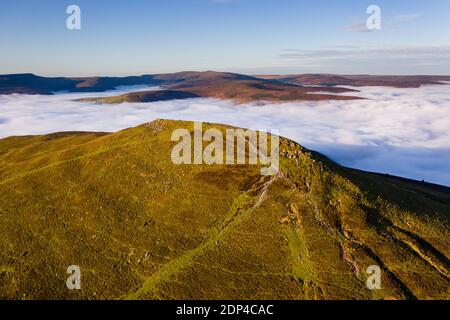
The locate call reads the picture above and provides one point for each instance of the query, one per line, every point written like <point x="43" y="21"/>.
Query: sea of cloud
<point x="403" y="132"/>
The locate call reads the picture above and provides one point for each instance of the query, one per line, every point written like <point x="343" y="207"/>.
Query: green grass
<point x="142" y="228"/>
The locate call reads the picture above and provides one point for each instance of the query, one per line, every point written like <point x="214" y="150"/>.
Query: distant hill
<point x="219" y="85"/>
<point x="31" y="84"/>
<point x="248" y="89"/>
<point x="141" y="227"/>
<point x="230" y="86"/>
<point x="359" y="80"/>
<point x="182" y="85"/>
<point x="143" y="96"/>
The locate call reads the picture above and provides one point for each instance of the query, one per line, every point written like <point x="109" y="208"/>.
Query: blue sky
<point x="249" y="36"/>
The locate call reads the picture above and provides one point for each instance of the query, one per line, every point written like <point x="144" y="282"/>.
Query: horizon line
<point x="231" y="72"/>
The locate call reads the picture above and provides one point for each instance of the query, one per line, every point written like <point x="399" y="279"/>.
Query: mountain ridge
<point x="218" y="85"/>
<point x="360" y="80"/>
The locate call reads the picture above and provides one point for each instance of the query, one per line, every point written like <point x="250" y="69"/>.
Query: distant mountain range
<point x="210" y="84"/>
<point x="28" y="83"/>
<point x="359" y="80"/>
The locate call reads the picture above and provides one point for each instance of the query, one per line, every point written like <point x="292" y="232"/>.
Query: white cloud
<point x="359" y="26"/>
<point x="406" y="17"/>
<point x="376" y="59"/>
<point x="368" y="53"/>
<point x="398" y="131"/>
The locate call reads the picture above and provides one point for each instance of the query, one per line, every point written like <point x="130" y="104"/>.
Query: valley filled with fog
<point x="402" y="132"/>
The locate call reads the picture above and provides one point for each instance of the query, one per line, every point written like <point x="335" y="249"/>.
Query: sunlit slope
<point x="141" y="227"/>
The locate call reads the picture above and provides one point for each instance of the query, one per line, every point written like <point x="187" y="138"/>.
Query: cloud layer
<point x="403" y="132"/>
<point x="355" y="59"/>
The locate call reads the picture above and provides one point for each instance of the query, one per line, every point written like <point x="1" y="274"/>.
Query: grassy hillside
<point x="142" y="228"/>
